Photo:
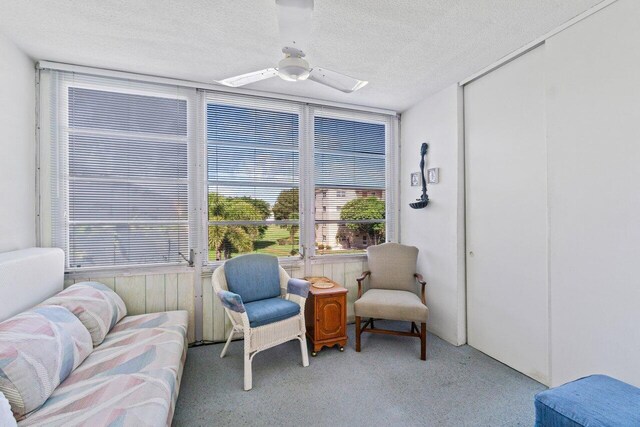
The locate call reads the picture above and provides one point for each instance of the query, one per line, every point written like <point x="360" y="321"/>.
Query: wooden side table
<point x="326" y="315"/>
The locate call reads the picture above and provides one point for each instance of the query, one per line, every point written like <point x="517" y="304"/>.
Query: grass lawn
<point x="271" y="243"/>
<point x="276" y="242"/>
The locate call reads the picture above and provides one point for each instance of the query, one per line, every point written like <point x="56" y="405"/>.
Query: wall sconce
<point x="423" y="201"/>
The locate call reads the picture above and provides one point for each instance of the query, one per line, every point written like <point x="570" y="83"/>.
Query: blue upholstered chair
<point x="264" y="304"/>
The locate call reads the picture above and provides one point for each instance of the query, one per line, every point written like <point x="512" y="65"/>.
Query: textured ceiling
<point x="405" y="49"/>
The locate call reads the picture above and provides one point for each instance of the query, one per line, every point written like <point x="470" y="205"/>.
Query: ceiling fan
<point x="294" y="21"/>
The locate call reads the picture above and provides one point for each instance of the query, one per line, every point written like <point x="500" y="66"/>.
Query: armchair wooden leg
<point x="423" y="341"/>
<point x="414" y="328"/>
<point x="358" y="332"/>
<point x="372" y="325"/>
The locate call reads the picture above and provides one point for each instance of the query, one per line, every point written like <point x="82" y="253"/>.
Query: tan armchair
<point x="391" y="293"/>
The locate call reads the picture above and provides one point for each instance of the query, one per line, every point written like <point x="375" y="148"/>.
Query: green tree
<point x="286" y="207"/>
<point x="225" y="239"/>
<point x="360" y="209"/>
<point x="263" y="208"/>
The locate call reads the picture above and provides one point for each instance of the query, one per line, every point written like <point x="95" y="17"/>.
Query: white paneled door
<point x="506" y="170"/>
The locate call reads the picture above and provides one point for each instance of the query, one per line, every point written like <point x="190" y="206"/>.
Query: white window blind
<point x="120" y="167"/>
<point x="351" y="180"/>
<point x="252" y="175"/>
<point x="135" y="173"/>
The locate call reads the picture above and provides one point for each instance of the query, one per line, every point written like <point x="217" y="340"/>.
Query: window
<point x="253" y="178"/>
<point x="121" y="194"/>
<point x="136" y="173"/>
<point x="350" y="165"/>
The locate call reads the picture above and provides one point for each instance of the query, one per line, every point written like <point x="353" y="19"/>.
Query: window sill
<point x="332" y="259"/>
<point x="99" y="272"/>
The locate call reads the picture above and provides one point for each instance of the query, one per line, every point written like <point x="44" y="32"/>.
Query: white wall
<point x="593" y="119"/>
<point x="593" y="160"/>
<point x="17" y="148"/>
<point x="438" y="229"/>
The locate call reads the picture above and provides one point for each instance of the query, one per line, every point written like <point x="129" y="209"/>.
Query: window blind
<point x="137" y="173"/>
<point x="350" y="177"/>
<point x="120" y="170"/>
<point x="252" y="175"/>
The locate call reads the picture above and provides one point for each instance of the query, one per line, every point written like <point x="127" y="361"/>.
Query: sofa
<point x="76" y="358"/>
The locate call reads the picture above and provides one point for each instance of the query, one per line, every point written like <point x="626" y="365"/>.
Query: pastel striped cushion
<point x="97" y="307"/>
<point x="38" y="350"/>
<point x="131" y="379"/>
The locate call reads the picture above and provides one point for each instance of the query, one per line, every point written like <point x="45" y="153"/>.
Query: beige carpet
<point x="384" y="385"/>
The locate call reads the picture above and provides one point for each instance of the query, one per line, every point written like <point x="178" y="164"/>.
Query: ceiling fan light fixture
<point x="294" y="21"/>
<point x="293" y="69"/>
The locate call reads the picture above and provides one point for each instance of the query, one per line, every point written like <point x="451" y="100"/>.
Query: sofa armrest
<point x="298" y="287"/>
<point x="231" y="301"/>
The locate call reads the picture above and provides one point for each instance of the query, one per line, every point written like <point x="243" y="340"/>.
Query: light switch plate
<point x="415" y="179"/>
<point x="433" y="175"/>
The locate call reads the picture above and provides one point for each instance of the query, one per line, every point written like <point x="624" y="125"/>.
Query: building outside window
<point x="350" y="157"/>
<point x="133" y="181"/>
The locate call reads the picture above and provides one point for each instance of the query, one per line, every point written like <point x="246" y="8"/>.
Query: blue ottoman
<point x="597" y="400"/>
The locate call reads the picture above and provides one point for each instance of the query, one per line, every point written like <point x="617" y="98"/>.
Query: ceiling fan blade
<point x="245" y="79"/>
<point x="294" y="21"/>
<point x="336" y="80"/>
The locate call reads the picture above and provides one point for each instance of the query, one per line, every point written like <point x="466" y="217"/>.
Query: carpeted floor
<point x="386" y="384"/>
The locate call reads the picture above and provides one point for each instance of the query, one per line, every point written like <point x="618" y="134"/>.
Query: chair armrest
<point x="298" y="287"/>
<point x="422" y="282"/>
<point x="360" y="280"/>
<point x="231" y="301"/>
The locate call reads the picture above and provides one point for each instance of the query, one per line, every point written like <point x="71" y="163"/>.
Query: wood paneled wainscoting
<point x="151" y="292"/>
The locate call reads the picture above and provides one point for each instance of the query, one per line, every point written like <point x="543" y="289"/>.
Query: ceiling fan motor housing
<point x="293" y="68"/>
<point x="294" y="22"/>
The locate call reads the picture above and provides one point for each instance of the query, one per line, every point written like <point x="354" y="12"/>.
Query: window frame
<point x="239" y="100"/>
<point x="391" y="172"/>
<point x="197" y="98"/>
<point x="57" y="159"/>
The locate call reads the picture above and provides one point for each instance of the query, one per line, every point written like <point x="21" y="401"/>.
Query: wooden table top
<point x="335" y="289"/>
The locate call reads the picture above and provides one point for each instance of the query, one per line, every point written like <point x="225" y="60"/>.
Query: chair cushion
<point x="597" y="400"/>
<point x="97" y="307"/>
<point x="392" y="266"/>
<point x="270" y="310"/>
<point x="254" y="277"/>
<point x="38" y="350"/>
<point x="391" y="305"/>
